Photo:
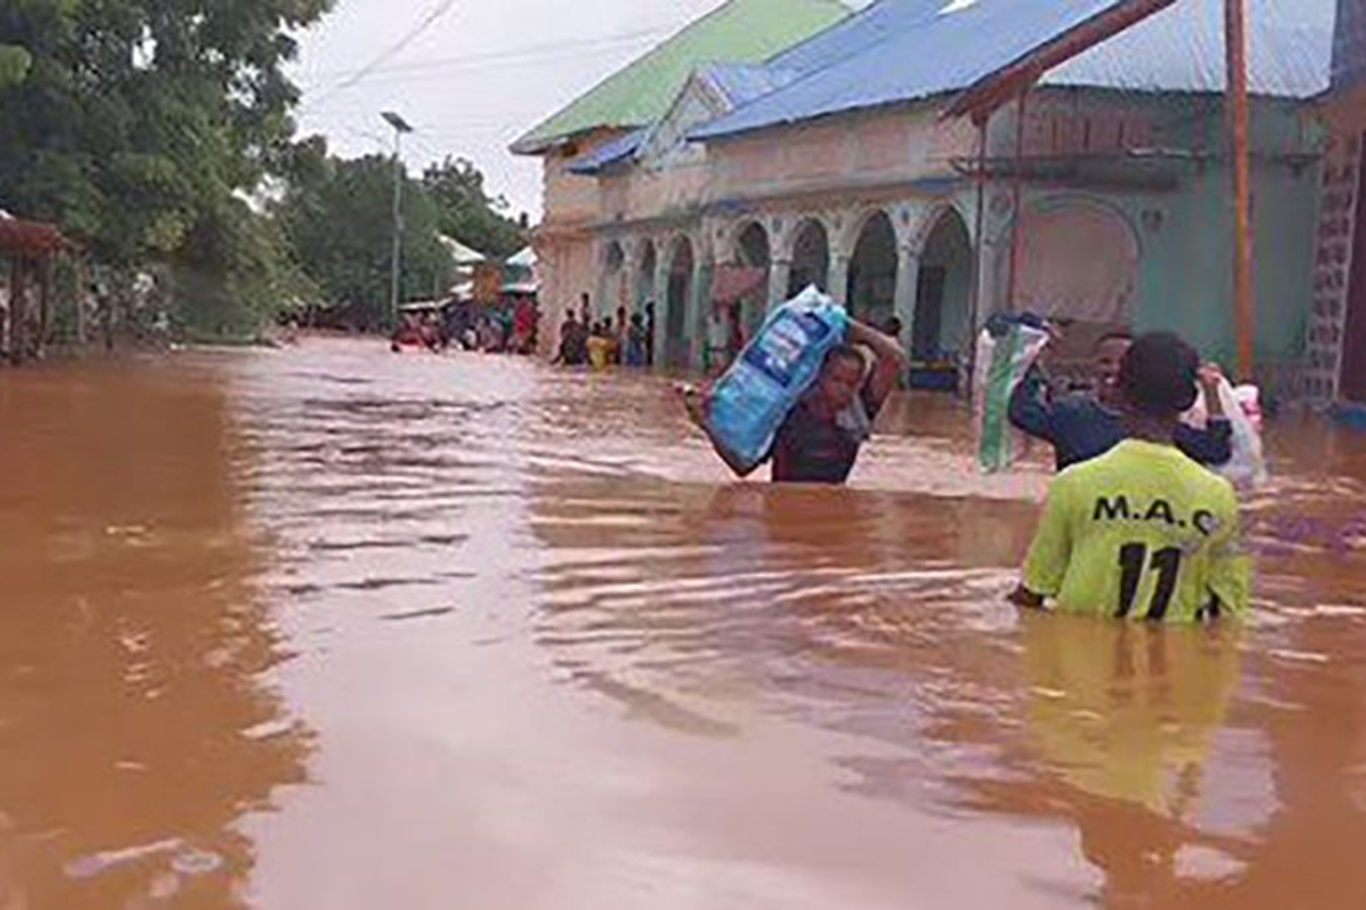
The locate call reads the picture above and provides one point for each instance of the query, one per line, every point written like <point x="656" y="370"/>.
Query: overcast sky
<point x="470" y="75"/>
<point x="477" y="77"/>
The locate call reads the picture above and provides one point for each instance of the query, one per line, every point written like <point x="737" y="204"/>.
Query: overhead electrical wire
<point x="436" y="14"/>
<point x="533" y="51"/>
<point x="531" y="54"/>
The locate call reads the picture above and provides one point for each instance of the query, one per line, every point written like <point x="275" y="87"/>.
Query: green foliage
<point x="468" y="213"/>
<point x="138" y="125"/>
<point x="338" y="214"/>
<point x="14" y="64"/>
<point x="232" y="275"/>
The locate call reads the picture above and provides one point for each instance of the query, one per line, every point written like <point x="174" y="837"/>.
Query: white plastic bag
<point x="1242" y="406"/>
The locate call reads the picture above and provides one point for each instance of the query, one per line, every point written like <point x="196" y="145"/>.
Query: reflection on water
<point x="134" y="726"/>
<point x="548" y="656"/>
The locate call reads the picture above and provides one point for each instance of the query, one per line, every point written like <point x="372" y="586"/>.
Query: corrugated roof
<point x="746" y="31"/>
<point x="742" y="83"/>
<point x="1290" y="51"/>
<point x="904" y="50"/>
<point x="739" y="83"/>
<point x="609" y="153"/>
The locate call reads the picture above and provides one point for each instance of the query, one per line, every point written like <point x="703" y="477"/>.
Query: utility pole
<point x="1244" y="315"/>
<point x="396" y="262"/>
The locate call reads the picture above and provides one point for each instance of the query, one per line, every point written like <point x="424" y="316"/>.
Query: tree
<point x="138" y="126"/>
<point x="338" y="215"/>
<point x="14" y="64"/>
<point x="468" y="213"/>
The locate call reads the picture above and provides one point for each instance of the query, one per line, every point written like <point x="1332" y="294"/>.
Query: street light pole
<point x="396" y="261"/>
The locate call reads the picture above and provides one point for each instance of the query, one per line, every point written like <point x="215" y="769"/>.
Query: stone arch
<point x="1078" y="260"/>
<point x="871" y="291"/>
<point x="679" y="289"/>
<point x="810" y="255"/>
<point x="752" y="246"/>
<point x="921" y="228"/>
<point x="852" y="228"/>
<point x="941" y="329"/>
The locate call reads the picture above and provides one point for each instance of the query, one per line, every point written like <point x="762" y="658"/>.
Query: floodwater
<point x="332" y="628"/>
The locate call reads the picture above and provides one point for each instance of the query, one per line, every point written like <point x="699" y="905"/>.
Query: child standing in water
<point x="1143" y="531"/>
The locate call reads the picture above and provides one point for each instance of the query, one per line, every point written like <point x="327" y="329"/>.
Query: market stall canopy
<point x="463" y="255"/>
<point x="29" y="238"/>
<point x="424" y="306"/>
<point x="523" y="259"/>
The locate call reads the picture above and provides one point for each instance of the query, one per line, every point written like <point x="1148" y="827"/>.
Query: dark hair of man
<point x="845" y="352"/>
<point x="1115" y="335"/>
<point x="1158" y="375"/>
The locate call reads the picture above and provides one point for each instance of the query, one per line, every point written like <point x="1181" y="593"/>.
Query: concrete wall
<point x="1154" y="165"/>
<point x="898" y="145"/>
<point x="1184" y="231"/>
<point x="1187" y="275"/>
<point x="565" y="242"/>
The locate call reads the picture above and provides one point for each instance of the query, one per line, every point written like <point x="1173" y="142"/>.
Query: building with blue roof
<point x="1102" y="199"/>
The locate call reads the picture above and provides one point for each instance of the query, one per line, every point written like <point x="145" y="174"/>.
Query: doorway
<point x="941" y="331"/>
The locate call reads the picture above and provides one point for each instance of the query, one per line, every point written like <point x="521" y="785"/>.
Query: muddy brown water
<point x="332" y="628"/>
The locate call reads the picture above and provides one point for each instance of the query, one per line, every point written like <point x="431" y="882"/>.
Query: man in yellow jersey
<point x="1142" y="532"/>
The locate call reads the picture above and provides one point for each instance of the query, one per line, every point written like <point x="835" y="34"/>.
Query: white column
<point x="907" y="284"/>
<point x="661" y="300"/>
<point x="779" y="276"/>
<point x="697" y="313"/>
<point x="600" y="307"/>
<point x="838" y="280"/>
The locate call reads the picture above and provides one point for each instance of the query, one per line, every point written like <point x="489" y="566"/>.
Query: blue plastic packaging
<point x="751" y="401"/>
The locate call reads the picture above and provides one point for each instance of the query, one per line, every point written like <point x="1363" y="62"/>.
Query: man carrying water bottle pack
<point x="820" y="440"/>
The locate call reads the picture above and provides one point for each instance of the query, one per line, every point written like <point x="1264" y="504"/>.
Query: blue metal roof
<point x="739" y="82"/>
<point x="1290" y="51"/>
<point x="742" y="83"/>
<point x="612" y="152"/>
<point x="904" y="50"/>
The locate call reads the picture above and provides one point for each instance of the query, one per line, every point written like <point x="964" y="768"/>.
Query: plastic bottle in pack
<point x="753" y="398"/>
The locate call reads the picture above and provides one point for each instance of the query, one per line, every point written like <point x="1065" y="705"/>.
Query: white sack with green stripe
<point x="1002" y="362"/>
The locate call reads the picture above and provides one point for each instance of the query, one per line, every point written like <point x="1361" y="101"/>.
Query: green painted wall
<point x="1186" y="277"/>
<point x="1185" y="280"/>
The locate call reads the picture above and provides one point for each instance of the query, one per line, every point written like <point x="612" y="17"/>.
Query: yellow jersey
<point x="599" y="352"/>
<point x="1141" y="533"/>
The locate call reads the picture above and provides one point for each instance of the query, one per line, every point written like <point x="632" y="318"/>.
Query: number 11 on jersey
<point x="1133" y="559"/>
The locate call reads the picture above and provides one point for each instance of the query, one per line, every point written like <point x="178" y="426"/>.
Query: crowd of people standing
<point x="625" y="339"/>
<point x="511" y="328"/>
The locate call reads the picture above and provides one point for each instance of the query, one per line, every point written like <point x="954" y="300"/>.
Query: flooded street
<point x="332" y="628"/>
